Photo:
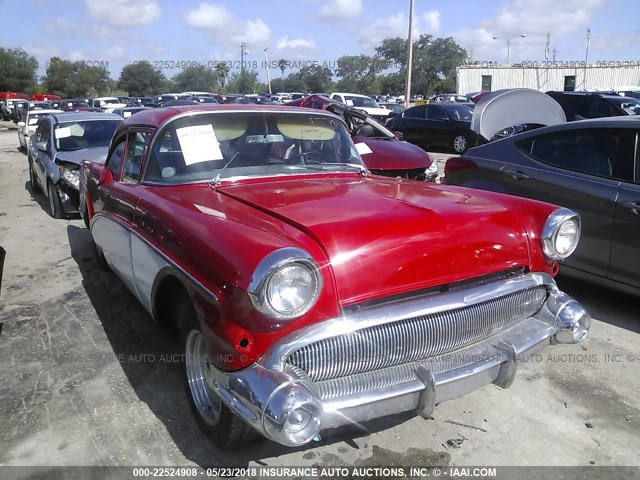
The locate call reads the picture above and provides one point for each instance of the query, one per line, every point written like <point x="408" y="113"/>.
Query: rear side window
<point x="417" y="112"/>
<point x="605" y="153"/>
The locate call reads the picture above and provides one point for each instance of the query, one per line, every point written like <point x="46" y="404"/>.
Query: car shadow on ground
<point x="602" y="303"/>
<point x="151" y="364"/>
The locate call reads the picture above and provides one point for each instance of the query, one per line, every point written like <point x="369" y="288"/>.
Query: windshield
<point x="461" y="112"/>
<point x="365" y="102"/>
<point x="77" y="104"/>
<point x="250" y="144"/>
<point x="111" y="101"/>
<point x="631" y="106"/>
<point x="72" y="136"/>
<point x="34" y="117"/>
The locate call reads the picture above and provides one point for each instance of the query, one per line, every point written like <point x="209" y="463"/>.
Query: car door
<point x="412" y="123"/>
<point x="438" y="126"/>
<point x="112" y="228"/>
<point x="571" y="168"/>
<point x="42" y="159"/>
<point x="625" y="244"/>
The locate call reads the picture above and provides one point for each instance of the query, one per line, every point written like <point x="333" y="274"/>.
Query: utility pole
<point x="266" y="64"/>
<point x="586" y="59"/>
<point x="553" y="59"/>
<point x="407" y="86"/>
<point x="546" y="61"/>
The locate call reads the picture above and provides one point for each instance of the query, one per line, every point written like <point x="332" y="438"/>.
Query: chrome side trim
<point x="391" y="312"/>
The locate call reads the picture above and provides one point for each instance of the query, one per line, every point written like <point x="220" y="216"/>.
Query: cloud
<point x="224" y="27"/>
<point x="124" y="13"/>
<point x="533" y="18"/>
<point x="296" y="48"/>
<point x="397" y="25"/>
<point x="60" y="27"/>
<point x="341" y="10"/>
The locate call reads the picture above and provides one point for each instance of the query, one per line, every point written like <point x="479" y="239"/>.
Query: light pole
<point x="407" y="86"/>
<point x="243" y="52"/>
<point x="266" y="64"/>
<point x="521" y="35"/>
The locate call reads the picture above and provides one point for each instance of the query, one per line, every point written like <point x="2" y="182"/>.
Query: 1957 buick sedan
<point x="309" y="293"/>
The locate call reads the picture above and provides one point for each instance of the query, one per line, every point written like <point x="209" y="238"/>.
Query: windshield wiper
<point x="215" y="181"/>
<point x="361" y="169"/>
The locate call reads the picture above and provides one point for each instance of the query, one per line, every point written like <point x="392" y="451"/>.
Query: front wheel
<point x="212" y="416"/>
<point x="55" y="204"/>
<point x="460" y="143"/>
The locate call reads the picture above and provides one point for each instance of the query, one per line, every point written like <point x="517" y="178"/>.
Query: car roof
<point x="44" y="110"/>
<point x="155" y="117"/>
<point x="351" y="94"/>
<point x="86" y="116"/>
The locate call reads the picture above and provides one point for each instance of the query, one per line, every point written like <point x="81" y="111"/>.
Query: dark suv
<point x="581" y="105"/>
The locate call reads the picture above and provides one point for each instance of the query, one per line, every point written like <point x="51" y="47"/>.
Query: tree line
<point x="434" y="69"/>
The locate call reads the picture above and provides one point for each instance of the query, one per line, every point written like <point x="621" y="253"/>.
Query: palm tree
<point x="222" y="69"/>
<point x="282" y="65"/>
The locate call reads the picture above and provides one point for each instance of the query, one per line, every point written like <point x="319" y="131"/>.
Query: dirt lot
<point x="87" y="378"/>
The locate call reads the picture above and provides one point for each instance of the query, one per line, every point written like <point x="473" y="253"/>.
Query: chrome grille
<point x="415" y="338"/>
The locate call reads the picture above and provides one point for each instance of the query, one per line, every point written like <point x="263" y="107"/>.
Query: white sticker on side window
<point x="63" y="132"/>
<point x="363" y="148"/>
<point x="199" y="144"/>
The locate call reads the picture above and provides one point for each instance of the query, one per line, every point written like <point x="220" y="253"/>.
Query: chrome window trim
<point x="196" y="112"/>
<point x="275" y="357"/>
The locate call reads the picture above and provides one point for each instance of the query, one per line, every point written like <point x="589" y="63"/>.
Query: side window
<point x="603" y="152"/>
<point x="136" y="147"/>
<point x="436" y="113"/>
<point x="114" y="162"/>
<point x="417" y="112"/>
<point x="43" y="131"/>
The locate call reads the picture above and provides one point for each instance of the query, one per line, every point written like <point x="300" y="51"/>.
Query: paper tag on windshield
<point x="127" y="114"/>
<point x="63" y="132"/>
<point x="199" y="144"/>
<point x="363" y="148"/>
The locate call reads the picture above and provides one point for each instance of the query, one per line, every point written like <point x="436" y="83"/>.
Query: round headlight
<point x="561" y="234"/>
<point x="290" y="289"/>
<point x="286" y="284"/>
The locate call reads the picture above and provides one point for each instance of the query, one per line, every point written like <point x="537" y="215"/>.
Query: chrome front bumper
<point x="285" y="405"/>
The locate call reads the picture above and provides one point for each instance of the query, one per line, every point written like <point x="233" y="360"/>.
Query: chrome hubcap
<point x="459" y="143"/>
<point x="197" y="368"/>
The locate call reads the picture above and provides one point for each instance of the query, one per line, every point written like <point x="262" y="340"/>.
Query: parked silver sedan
<point x="61" y="141"/>
<point x="27" y="126"/>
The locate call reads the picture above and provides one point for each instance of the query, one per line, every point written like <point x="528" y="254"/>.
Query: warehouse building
<point x="545" y="76"/>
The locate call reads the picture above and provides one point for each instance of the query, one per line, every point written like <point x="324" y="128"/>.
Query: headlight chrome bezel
<point x="551" y="229"/>
<point x="272" y="264"/>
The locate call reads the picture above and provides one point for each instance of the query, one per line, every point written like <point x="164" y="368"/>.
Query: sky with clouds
<point x="122" y="31"/>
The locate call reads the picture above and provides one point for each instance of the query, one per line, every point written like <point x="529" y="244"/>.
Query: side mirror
<point x="399" y="135"/>
<point x="105" y="175"/>
<point x="21" y="124"/>
<point x="42" y="146"/>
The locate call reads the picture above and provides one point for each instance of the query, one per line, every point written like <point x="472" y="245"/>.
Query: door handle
<point x="633" y="206"/>
<point x="516" y="175"/>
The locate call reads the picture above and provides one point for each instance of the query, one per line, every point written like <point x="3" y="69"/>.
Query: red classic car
<point x="383" y="152"/>
<point x="309" y="293"/>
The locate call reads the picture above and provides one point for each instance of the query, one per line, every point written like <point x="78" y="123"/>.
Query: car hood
<point x="505" y="108"/>
<point x="390" y="154"/>
<point x="385" y="237"/>
<point x="97" y="155"/>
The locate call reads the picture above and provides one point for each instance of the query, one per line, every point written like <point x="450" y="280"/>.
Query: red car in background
<point x="45" y="97"/>
<point x="309" y="293"/>
<point x="383" y="151"/>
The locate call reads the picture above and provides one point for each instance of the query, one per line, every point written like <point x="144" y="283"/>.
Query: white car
<point x="29" y="125"/>
<point x="106" y="104"/>
<point x="364" y="103"/>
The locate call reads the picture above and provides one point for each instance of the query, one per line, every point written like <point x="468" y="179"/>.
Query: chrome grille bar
<point x="414" y="338"/>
